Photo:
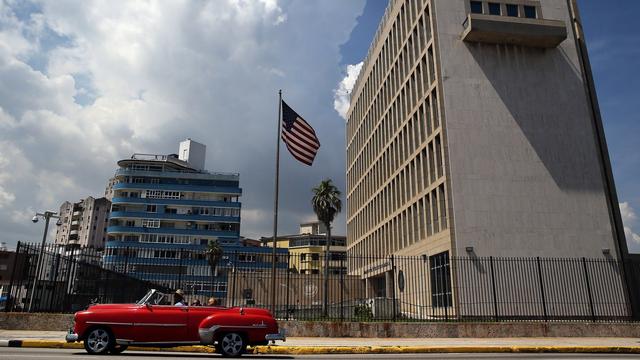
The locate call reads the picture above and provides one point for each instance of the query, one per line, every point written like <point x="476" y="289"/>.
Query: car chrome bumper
<point x="279" y="336"/>
<point x="71" y="337"/>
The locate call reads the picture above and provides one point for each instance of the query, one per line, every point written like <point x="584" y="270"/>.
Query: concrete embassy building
<point x="474" y="130"/>
<point x="84" y="224"/>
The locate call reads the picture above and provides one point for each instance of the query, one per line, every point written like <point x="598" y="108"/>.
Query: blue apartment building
<point x="165" y="210"/>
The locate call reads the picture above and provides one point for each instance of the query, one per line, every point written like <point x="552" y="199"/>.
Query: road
<point x="39" y="354"/>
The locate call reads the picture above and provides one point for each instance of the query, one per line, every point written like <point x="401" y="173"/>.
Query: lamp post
<point x="47" y="215"/>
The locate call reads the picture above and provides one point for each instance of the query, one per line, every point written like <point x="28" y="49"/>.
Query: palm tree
<point x="326" y="204"/>
<point x="213" y="254"/>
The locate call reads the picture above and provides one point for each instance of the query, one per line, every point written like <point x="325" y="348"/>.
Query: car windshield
<point x="154" y="297"/>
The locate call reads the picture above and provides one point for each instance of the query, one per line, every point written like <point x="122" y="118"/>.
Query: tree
<point x="214" y="254"/>
<point x="326" y="204"/>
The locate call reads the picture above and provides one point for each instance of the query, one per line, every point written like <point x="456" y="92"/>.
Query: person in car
<point x="213" y="302"/>
<point x="178" y="298"/>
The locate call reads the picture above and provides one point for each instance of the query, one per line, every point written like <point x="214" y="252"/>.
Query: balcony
<point x="495" y="29"/>
<point x="178" y="217"/>
<point x="114" y="229"/>
<point x="77" y="213"/>
<point x="75" y="223"/>
<point x="132" y="200"/>
<point x="73" y="232"/>
<point x="176" y="174"/>
<point x="178" y="187"/>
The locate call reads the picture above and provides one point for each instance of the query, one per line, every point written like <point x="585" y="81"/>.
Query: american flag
<point x="299" y="136"/>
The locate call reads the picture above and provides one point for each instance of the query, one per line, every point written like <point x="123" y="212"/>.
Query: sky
<point x="84" y="84"/>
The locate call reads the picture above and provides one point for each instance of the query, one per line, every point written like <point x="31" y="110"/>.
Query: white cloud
<point x="155" y="73"/>
<point x="628" y="213"/>
<point x="629" y="219"/>
<point x="342" y="95"/>
<point x="6" y="198"/>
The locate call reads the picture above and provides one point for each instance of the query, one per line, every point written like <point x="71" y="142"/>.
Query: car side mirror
<point x="242" y="311"/>
<point x="148" y="306"/>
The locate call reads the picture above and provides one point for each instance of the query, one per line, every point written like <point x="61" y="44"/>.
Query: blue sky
<point x="614" y="49"/>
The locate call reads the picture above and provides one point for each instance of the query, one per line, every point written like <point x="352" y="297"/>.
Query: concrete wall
<point x="525" y="173"/>
<point x="62" y="322"/>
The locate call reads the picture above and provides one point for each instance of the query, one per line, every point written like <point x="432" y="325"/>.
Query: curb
<point x="316" y="350"/>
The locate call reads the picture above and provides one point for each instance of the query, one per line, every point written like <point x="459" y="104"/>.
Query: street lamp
<point x="47" y="215"/>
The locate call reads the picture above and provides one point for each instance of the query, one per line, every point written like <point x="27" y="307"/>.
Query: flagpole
<point x="275" y="209"/>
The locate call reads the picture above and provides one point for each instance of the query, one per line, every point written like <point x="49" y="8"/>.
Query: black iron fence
<point x="394" y="288"/>
<point x="67" y="280"/>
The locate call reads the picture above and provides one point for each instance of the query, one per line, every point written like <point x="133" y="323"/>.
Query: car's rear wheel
<point x="231" y="345"/>
<point x="99" y="341"/>
<point x="118" y="349"/>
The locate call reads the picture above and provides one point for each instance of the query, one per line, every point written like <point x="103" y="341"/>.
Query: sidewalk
<point x="299" y="345"/>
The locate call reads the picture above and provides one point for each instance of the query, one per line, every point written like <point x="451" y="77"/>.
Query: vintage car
<point x="152" y="321"/>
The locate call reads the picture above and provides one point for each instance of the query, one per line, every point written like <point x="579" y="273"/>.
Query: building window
<point x="494" y="8"/>
<point x="440" y="280"/>
<point x="476" y="7"/>
<point x="530" y="12"/>
<point x="512" y="10"/>
<point x="151" y="208"/>
<point x="151" y="223"/>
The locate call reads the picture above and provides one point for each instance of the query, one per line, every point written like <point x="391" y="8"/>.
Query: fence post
<point x="180" y="269"/>
<point x="10" y="302"/>
<point x="393" y="285"/>
<point x="286" y="310"/>
<point x="234" y="272"/>
<point x="126" y="260"/>
<point x="493" y="285"/>
<point x="343" y="269"/>
<point x="544" y="303"/>
<point x="586" y="279"/>
<point x="55" y="282"/>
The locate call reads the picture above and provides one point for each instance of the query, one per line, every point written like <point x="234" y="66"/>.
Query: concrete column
<point x="388" y="277"/>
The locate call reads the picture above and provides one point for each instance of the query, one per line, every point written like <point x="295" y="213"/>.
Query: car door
<point x="161" y="324"/>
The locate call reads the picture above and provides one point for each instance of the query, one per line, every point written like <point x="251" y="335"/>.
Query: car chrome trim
<point x="108" y="323"/>
<point x="71" y="337"/>
<point x="279" y="336"/>
<point x="134" y="324"/>
<point x="131" y="342"/>
<point x="206" y="335"/>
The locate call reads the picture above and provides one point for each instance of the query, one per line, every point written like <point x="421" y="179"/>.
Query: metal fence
<point x="63" y="280"/>
<point x="394" y="288"/>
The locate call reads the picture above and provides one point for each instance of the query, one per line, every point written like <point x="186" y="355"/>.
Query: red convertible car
<point x="111" y="328"/>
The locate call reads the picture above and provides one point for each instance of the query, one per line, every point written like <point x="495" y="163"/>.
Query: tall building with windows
<point x="474" y="130"/>
<point x="84" y="223"/>
<point x="166" y="209"/>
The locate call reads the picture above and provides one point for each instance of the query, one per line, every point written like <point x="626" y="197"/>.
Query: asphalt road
<point x="39" y="354"/>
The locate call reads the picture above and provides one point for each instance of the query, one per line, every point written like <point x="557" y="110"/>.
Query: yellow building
<point x="307" y="249"/>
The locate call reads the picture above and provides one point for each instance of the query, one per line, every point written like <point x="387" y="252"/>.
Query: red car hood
<point x="112" y="307"/>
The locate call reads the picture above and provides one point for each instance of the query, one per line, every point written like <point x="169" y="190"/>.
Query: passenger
<point x="213" y="302"/>
<point x="178" y="298"/>
<point x="196" y="303"/>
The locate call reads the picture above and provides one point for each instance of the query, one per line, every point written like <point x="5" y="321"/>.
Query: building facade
<point x="473" y="130"/>
<point x="165" y="211"/>
<point x="307" y="249"/>
<point x="84" y="223"/>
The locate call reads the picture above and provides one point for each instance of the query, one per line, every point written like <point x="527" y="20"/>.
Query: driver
<point x="178" y="298"/>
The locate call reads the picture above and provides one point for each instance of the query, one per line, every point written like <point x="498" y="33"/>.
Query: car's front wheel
<point x="98" y="341"/>
<point x="231" y="345"/>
